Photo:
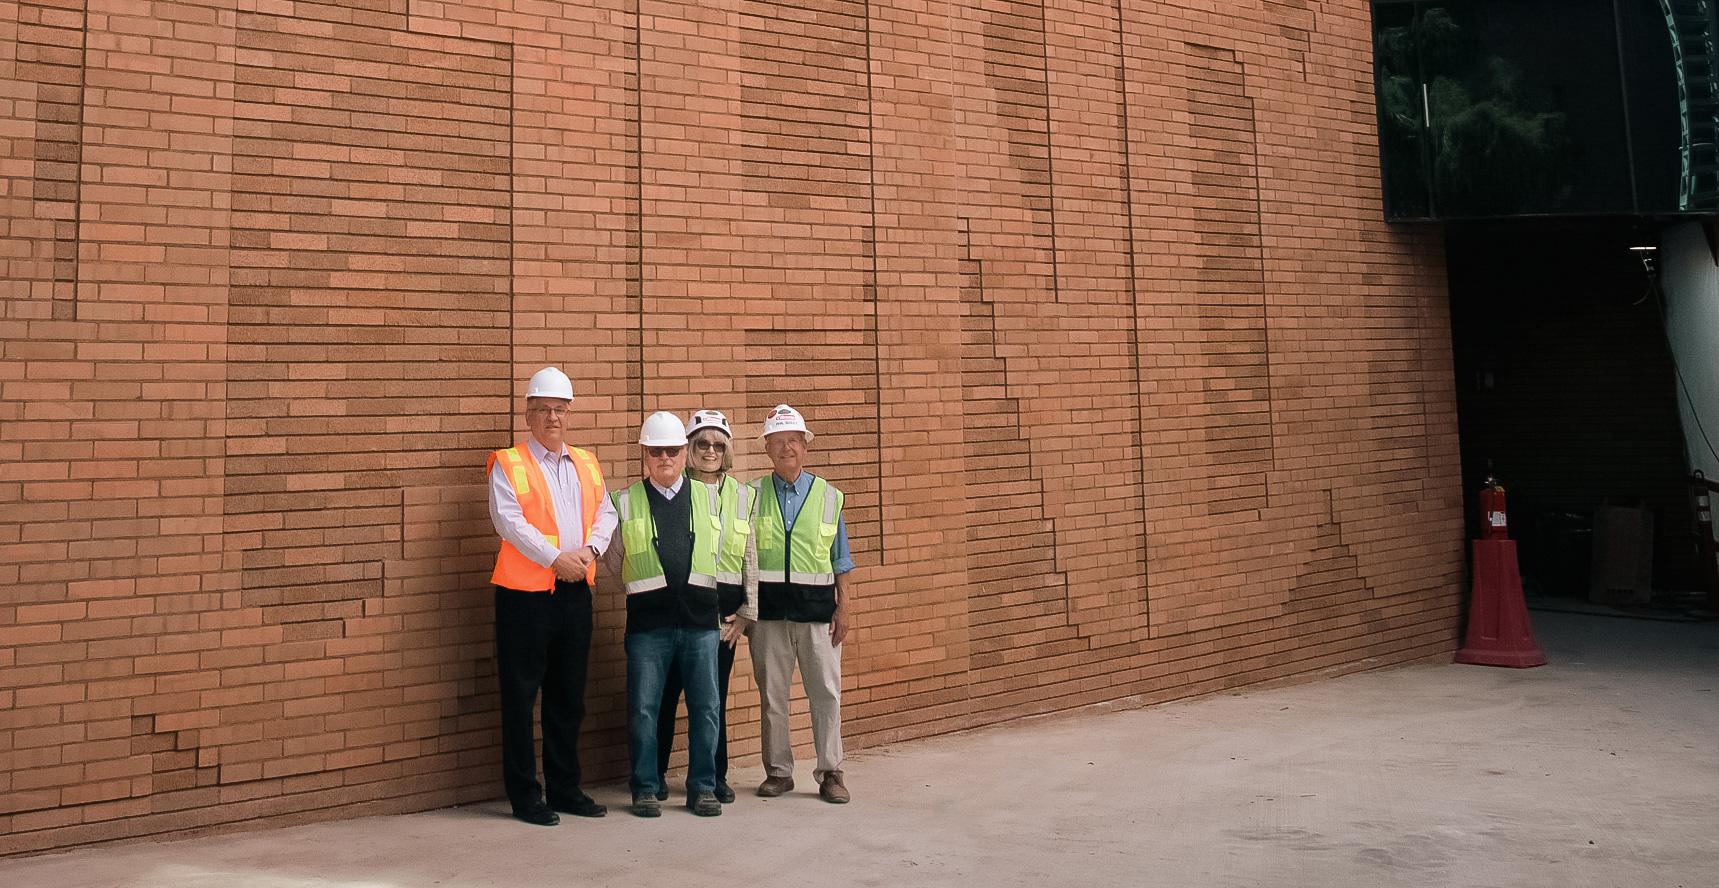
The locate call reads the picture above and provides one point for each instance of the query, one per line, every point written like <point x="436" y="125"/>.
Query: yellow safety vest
<point x="804" y="557"/>
<point x="739" y="503"/>
<point x="641" y="569"/>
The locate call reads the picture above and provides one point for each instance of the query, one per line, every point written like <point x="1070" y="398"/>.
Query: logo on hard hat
<point x="785" y="419"/>
<point x="708" y="419"/>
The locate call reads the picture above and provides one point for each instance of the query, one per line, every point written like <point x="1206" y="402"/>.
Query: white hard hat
<point x="550" y="383"/>
<point x="785" y="419"/>
<point x="662" y="429"/>
<point x="708" y="419"/>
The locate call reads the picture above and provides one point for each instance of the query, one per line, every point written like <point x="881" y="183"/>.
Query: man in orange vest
<point x="548" y="502"/>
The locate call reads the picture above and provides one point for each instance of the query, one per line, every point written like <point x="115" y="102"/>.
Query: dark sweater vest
<point x="676" y="604"/>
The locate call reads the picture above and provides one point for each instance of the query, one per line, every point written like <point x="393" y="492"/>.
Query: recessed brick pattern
<point x="1089" y="305"/>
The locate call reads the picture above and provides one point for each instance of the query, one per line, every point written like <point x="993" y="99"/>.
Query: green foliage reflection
<point x="1493" y="147"/>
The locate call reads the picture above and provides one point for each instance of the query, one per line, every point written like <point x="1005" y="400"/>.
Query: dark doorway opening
<point x="1566" y="390"/>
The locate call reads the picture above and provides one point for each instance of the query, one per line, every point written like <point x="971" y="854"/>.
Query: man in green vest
<point x="804" y="602"/>
<point x="710" y="461"/>
<point x="666" y="553"/>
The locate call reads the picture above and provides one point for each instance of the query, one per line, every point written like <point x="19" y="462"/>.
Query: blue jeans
<point x="650" y="655"/>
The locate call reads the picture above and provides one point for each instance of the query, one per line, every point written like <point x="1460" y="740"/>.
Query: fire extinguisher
<point x="1493" y="523"/>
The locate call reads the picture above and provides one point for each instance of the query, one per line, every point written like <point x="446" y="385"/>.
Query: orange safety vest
<point x="512" y="569"/>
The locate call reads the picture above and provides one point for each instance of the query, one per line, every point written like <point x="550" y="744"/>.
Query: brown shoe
<point x="832" y="790"/>
<point x="775" y="786"/>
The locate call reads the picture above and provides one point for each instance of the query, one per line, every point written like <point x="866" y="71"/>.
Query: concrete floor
<point x="1598" y="769"/>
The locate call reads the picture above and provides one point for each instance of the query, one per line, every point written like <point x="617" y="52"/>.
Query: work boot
<point x="832" y="790"/>
<point x="775" y="786"/>
<point x="646" y="806"/>
<point x="662" y="787"/>
<point x="723" y="793"/>
<point x="703" y="803"/>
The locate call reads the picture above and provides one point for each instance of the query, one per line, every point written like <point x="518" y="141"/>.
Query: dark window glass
<point x="1535" y="107"/>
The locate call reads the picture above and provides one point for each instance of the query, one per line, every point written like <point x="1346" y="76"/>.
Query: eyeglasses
<point x="712" y="446"/>
<point x="663" y="452"/>
<point x="552" y="411"/>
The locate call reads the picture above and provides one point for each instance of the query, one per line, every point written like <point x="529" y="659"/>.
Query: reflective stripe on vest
<point x="641" y="569"/>
<point x="738" y="503"/>
<point x="512" y="569"/>
<point x="805" y="559"/>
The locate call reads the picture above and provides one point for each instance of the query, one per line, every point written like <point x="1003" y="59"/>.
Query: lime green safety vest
<point x="738" y="503"/>
<point x="805" y="558"/>
<point x="641" y="570"/>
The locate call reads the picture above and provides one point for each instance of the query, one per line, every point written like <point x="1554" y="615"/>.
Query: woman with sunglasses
<point x="709" y="461"/>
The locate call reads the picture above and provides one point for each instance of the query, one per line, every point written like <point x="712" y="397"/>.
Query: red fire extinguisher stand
<point x="1499" y="633"/>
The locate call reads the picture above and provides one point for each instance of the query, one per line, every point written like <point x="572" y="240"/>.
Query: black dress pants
<point x="671" y="700"/>
<point x="542" y="642"/>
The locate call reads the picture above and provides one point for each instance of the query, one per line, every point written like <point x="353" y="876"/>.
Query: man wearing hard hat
<point x="804" y="600"/>
<point x="548" y="502"/>
<point x="667" y="555"/>
<point x="710" y="461"/>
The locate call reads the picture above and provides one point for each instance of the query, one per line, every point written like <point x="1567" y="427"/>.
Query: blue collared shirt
<point x="791" y="497"/>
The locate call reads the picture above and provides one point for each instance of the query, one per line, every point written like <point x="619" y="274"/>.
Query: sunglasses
<point x="663" y="452"/>
<point x="712" y="446"/>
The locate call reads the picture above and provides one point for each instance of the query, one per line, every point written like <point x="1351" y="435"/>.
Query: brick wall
<point x="1089" y="304"/>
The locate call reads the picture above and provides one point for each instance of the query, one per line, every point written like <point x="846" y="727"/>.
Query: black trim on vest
<point x="729" y="598"/>
<point x="796" y="603"/>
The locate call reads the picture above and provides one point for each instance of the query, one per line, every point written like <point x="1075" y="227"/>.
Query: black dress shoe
<point x="583" y="806"/>
<point x="723" y="793"/>
<point x="539" y="814"/>
<point x="662" y="787"/>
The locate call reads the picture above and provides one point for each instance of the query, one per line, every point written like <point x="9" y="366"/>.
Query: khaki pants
<point x="776" y="646"/>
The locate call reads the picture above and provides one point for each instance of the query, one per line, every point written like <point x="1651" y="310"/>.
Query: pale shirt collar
<point x="538" y="449"/>
<point x="550" y="461"/>
<point x="669" y="492"/>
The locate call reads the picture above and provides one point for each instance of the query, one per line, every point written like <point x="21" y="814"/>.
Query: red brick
<point x="224" y="518"/>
